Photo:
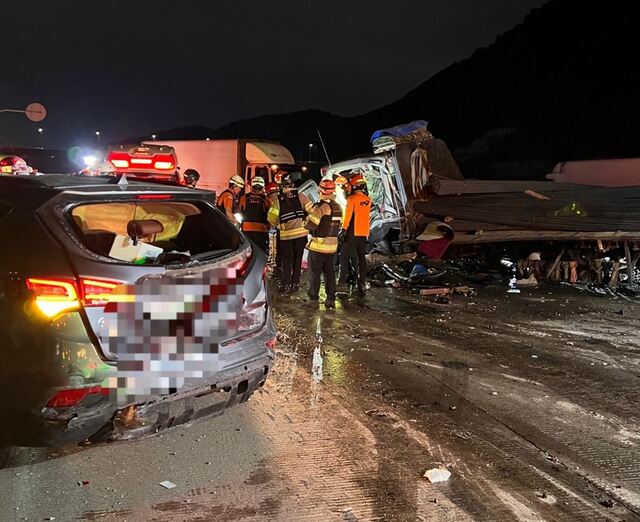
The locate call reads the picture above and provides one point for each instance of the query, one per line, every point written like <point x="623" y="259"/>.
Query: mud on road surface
<point x="529" y="401"/>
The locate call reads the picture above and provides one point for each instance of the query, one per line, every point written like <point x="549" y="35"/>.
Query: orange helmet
<point x="327" y="187"/>
<point x="357" y="180"/>
<point x="340" y="180"/>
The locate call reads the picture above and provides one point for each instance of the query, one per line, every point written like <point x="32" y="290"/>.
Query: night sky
<point x="132" y="68"/>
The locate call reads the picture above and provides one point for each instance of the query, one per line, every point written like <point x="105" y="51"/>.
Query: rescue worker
<point x="191" y="178"/>
<point x="254" y="207"/>
<point x="228" y="199"/>
<point x="355" y="230"/>
<point x="273" y="190"/>
<point x="324" y="224"/>
<point x="287" y="212"/>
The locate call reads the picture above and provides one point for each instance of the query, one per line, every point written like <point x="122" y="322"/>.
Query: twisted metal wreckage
<point x="579" y="234"/>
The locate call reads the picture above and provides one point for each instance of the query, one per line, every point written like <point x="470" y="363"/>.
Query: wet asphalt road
<point x="530" y="401"/>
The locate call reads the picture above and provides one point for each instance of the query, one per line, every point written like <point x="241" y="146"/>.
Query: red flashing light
<point x="141" y="161"/>
<point x="68" y="398"/>
<point x="164" y="162"/>
<point x="119" y="160"/>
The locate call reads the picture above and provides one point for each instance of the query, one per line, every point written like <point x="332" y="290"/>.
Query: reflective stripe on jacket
<point x="253" y="207"/>
<point x="324" y="224"/>
<point x="287" y="212"/>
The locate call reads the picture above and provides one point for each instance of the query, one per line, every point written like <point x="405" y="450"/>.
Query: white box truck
<point x="217" y="160"/>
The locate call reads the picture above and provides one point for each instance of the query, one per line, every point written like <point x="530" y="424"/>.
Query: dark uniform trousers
<point x="291" y="251"/>
<point x="354" y="247"/>
<point x="259" y="238"/>
<point x="322" y="264"/>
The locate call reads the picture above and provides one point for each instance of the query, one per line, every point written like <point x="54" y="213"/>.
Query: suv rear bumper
<point x="104" y="422"/>
<point x="233" y="387"/>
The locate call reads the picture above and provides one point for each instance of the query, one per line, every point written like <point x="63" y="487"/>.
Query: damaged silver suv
<point x="126" y="308"/>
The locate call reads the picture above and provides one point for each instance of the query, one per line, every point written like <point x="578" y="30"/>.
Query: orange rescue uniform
<point x="227" y="203"/>
<point x="356" y="215"/>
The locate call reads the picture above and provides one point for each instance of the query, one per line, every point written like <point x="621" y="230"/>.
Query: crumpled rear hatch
<point x="168" y="305"/>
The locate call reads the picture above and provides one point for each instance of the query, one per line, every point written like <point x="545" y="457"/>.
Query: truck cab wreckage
<point x="557" y="231"/>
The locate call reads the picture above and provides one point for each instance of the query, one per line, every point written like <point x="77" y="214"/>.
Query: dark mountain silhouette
<point x="561" y="85"/>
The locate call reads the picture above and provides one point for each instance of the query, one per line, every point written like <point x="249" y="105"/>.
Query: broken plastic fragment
<point x="437" y="475"/>
<point x="167" y="484"/>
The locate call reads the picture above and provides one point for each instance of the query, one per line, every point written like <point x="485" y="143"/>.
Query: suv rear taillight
<point x="56" y="296"/>
<point x="7" y="162"/>
<point x="68" y="398"/>
<point x="96" y="292"/>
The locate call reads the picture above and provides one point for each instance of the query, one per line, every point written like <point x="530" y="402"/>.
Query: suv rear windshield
<point x="154" y="232"/>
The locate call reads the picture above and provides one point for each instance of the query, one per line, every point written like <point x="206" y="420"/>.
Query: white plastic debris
<point x="167" y="484"/>
<point x="437" y="475"/>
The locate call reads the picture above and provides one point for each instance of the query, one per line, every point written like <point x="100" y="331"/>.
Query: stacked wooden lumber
<point x="485" y="211"/>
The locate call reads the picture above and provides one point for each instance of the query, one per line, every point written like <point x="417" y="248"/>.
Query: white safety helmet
<point x="236" y="181"/>
<point x="258" y="181"/>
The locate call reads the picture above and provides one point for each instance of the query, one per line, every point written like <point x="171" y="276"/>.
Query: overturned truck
<point x="556" y="231"/>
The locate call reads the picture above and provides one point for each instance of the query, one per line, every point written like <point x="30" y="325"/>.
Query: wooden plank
<point x="592" y="210"/>
<point x="555" y="264"/>
<point x="435" y="291"/>
<point x="544" y="235"/>
<point x="445" y="186"/>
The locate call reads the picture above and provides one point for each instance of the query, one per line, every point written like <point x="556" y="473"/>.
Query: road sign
<point x="36" y="112"/>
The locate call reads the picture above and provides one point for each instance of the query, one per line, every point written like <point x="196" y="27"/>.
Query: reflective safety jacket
<point x="254" y="207"/>
<point x="324" y="224"/>
<point x="228" y="203"/>
<point x="356" y="214"/>
<point x="287" y="213"/>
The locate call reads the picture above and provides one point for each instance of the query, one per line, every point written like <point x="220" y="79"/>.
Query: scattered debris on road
<point x="376" y="413"/>
<point x="167" y="484"/>
<point x="436" y="475"/>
